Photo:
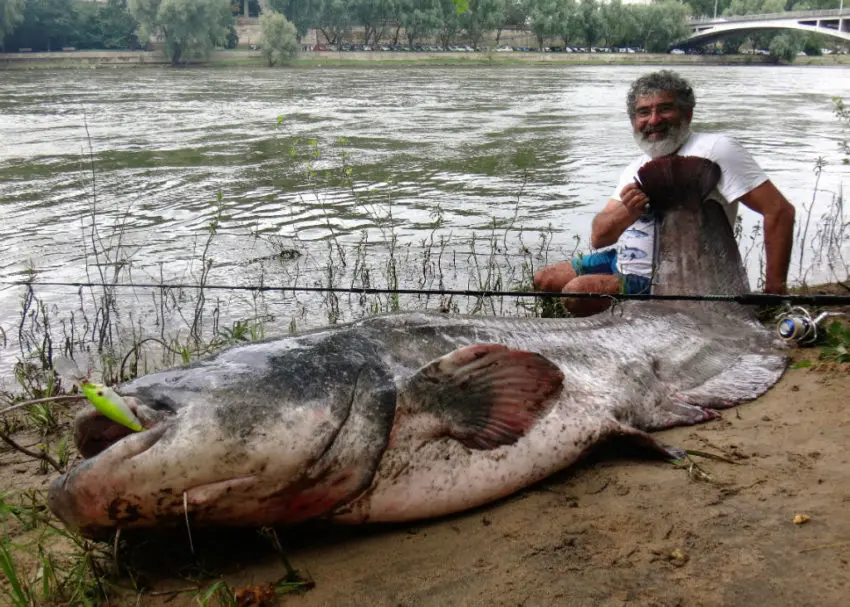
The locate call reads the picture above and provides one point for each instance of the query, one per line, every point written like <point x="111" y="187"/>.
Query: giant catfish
<point x="415" y="415"/>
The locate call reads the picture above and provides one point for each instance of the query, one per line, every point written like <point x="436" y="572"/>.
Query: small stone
<point x="678" y="557"/>
<point x="800" y="519"/>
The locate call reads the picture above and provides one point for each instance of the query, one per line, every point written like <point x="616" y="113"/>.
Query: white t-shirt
<point x="739" y="174"/>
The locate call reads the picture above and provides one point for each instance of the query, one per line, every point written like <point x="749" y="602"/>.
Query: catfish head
<point x="278" y="431"/>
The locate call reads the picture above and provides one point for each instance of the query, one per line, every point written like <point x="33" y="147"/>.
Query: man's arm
<point x="610" y="223"/>
<point x="778" y="216"/>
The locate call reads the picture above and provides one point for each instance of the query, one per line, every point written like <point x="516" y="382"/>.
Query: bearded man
<point x="660" y="106"/>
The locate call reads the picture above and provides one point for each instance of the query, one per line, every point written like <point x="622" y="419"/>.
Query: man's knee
<point x="597" y="283"/>
<point x="543" y="280"/>
<point x="554" y="277"/>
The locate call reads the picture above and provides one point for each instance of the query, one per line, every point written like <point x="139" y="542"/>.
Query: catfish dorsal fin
<point x="484" y="396"/>
<point x="673" y="181"/>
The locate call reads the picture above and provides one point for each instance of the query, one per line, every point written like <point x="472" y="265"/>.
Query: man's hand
<point x="617" y="216"/>
<point x="634" y="199"/>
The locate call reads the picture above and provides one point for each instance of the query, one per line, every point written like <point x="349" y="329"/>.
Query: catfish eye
<point x="163" y="404"/>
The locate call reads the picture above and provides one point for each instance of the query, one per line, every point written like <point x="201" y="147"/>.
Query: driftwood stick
<point x="42" y="456"/>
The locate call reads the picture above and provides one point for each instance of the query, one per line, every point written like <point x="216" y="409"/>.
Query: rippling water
<point x="149" y="150"/>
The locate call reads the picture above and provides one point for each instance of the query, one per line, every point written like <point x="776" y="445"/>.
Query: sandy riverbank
<point x="618" y="529"/>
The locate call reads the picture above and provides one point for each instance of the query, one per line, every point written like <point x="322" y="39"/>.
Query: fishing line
<point x="766" y="299"/>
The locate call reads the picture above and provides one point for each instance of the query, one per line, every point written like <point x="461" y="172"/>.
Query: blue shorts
<point x="605" y="262"/>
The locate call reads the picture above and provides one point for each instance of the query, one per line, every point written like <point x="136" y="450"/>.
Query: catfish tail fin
<point x="674" y="181"/>
<point x="696" y="252"/>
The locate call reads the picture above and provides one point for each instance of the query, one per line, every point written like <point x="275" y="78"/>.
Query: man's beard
<point x="674" y="138"/>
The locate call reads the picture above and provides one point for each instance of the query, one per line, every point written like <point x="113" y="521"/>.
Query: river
<point x="436" y="154"/>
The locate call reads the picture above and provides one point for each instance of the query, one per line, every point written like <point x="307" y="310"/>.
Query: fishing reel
<point x="796" y="325"/>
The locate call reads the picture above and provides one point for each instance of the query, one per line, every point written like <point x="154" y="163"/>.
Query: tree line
<point x="570" y="22"/>
<point x="190" y="28"/>
<point x="47" y="25"/>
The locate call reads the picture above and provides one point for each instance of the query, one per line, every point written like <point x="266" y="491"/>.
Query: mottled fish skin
<point x="332" y="423"/>
<point x="635" y="233"/>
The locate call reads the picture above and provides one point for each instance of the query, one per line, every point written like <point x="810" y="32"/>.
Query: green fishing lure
<point x="105" y="400"/>
<point x="110" y="403"/>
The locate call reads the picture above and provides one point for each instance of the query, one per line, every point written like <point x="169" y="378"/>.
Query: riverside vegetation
<point x="43" y="563"/>
<point x="189" y="29"/>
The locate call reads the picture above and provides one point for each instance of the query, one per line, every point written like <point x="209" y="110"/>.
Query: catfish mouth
<point x="82" y="494"/>
<point x="73" y="497"/>
<point x="95" y="433"/>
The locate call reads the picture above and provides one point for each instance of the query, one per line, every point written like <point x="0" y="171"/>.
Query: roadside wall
<point x="81" y="58"/>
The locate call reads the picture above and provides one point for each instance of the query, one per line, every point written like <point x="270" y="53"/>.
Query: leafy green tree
<point x="705" y="8"/>
<point x="280" y="38"/>
<point x="481" y="17"/>
<point x="567" y="21"/>
<point x="394" y="19"/>
<point x="117" y="26"/>
<point x="591" y="22"/>
<point x="619" y="25"/>
<point x="803" y="5"/>
<point x="304" y="14"/>
<point x="449" y="22"/>
<point x="335" y="20"/>
<point x="731" y="44"/>
<point x="784" y="48"/>
<point x="516" y="15"/>
<point x="754" y="7"/>
<point x="543" y="19"/>
<point x="372" y="15"/>
<point x="814" y="43"/>
<point x="662" y="24"/>
<point x="51" y="24"/>
<point x="46" y="25"/>
<point x="84" y="26"/>
<point x="11" y="15"/>
<point x="188" y="28"/>
<point x="419" y="18"/>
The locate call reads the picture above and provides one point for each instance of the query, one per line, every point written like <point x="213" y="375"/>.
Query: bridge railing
<point x="832" y="12"/>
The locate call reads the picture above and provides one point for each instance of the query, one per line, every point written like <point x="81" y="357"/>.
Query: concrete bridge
<point x="835" y="23"/>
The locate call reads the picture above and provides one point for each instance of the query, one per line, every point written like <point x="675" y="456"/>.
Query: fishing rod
<point x="759" y="299"/>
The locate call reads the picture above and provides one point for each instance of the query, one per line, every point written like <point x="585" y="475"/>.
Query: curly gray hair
<point x="663" y="81"/>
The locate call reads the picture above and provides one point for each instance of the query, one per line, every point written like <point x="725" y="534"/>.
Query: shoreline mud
<point x="251" y="58"/>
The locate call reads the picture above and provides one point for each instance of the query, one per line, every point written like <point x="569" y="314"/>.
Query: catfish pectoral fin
<point x="484" y="396"/>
